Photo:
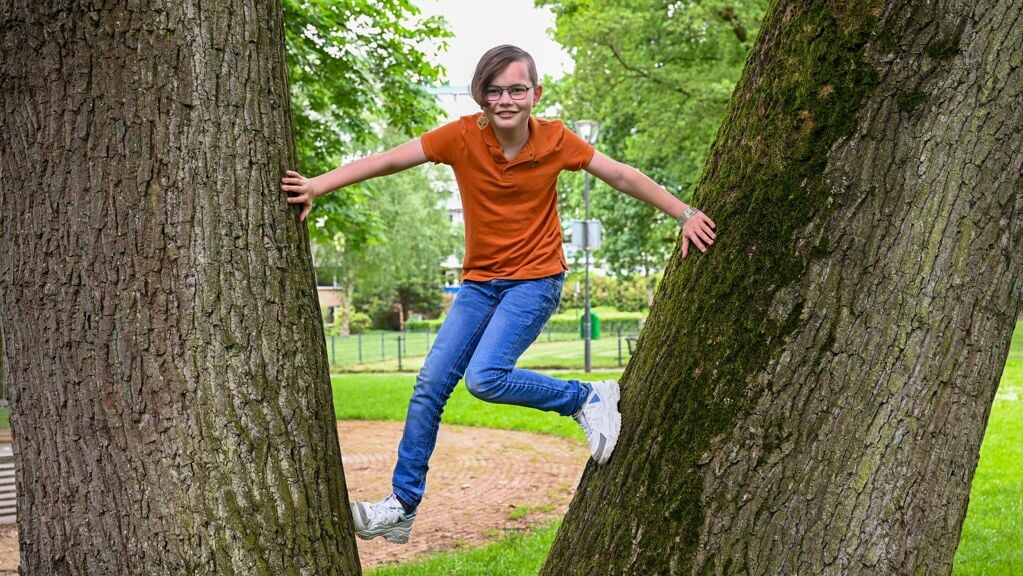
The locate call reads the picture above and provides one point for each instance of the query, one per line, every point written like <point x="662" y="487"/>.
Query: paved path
<point x="481" y="480"/>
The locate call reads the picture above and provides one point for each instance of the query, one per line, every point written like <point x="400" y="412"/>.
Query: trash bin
<point x="594" y="326"/>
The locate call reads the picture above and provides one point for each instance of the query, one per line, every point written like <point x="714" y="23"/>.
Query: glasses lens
<point x="517" y="92"/>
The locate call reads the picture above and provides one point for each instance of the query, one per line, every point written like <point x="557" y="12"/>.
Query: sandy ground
<point x="483" y="484"/>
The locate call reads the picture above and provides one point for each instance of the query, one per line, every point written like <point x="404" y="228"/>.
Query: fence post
<point x="399" y="351"/>
<point x="333" y="350"/>
<point x="619" y="347"/>
<point x="383" y="353"/>
<point x="427" y="339"/>
<point x="360" y="348"/>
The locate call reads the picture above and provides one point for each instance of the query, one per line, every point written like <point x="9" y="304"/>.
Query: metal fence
<point x="375" y="348"/>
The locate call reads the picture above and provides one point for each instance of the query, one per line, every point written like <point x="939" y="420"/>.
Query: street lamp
<point x="588" y="130"/>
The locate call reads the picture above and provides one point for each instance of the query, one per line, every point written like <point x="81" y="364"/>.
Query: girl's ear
<point x="537" y="91"/>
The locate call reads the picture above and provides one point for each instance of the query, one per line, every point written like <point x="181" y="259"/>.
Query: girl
<point x="506" y="164"/>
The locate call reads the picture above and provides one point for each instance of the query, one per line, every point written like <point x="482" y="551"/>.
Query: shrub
<point x="359" y="323"/>
<point x="423" y="325"/>
<point x="625" y="294"/>
<point x="610" y="322"/>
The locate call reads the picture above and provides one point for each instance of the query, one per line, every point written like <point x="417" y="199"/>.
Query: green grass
<point x="992" y="538"/>
<point x="520" y="553"/>
<point x="385" y="397"/>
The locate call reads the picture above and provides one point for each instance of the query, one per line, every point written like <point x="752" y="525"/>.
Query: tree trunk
<point x="170" y="399"/>
<point x="809" y="397"/>
<point x="3" y="365"/>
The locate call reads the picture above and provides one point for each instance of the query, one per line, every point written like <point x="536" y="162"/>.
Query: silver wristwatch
<point x="687" y="215"/>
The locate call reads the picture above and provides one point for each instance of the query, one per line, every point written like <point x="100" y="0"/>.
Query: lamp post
<point x="588" y="131"/>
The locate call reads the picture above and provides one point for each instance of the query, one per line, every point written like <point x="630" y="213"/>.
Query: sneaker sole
<point x="616" y="424"/>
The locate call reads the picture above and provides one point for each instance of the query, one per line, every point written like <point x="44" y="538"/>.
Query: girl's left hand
<point x="699" y="231"/>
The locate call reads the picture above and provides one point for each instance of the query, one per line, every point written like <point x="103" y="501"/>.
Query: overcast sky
<point x="479" y="25"/>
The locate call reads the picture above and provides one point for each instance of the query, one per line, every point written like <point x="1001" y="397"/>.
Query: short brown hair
<point x="493" y="63"/>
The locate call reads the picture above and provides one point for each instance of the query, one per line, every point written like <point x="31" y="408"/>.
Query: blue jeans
<point x="488" y="327"/>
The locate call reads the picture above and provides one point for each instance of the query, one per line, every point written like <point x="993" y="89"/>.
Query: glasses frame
<point x="504" y="89"/>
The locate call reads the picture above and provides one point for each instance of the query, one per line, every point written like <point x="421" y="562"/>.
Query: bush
<point x="610" y="322"/>
<point x="423" y="325"/>
<point x="625" y="294"/>
<point x="359" y="323"/>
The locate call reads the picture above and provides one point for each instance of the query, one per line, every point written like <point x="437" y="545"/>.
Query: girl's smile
<point x="507" y="115"/>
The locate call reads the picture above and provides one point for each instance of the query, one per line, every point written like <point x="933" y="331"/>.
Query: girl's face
<point x="506" y="113"/>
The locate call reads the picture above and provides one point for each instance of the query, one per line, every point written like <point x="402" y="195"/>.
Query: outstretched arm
<point x="625" y="178"/>
<point x="394" y="160"/>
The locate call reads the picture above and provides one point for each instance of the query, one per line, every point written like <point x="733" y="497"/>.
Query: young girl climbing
<point x="506" y="163"/>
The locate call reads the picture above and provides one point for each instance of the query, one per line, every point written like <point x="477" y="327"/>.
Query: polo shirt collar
<point x="536" y="144"/>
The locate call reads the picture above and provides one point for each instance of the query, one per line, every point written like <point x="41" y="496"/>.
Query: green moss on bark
<point x="908" y="101"/>
<point x="944" y="48"/>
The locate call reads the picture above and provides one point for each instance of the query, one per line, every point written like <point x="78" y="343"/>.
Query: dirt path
<point x="482" y="483"/>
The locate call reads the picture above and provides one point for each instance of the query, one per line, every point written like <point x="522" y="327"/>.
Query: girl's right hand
<point x="304" y="190"/>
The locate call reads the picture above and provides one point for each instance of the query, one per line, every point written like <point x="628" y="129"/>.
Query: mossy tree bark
<point x="809" y="397"/>
<point x="170" y="399"/>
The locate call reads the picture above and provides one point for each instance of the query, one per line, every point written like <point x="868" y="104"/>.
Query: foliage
<point x="627" y="322"/>
<point x="627" y="293"/>
<point x="404" y="267"/>
<point x="358" y="323"/>
<point x="352" y="62"/>
<point x="657" y="76"/>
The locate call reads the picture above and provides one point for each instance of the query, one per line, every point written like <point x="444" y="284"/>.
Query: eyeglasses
<point x="517" y="92"/>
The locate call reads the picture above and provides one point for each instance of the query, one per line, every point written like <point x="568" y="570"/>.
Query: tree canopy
<point x="353" y="64"/>
<point x="657" y="76"/>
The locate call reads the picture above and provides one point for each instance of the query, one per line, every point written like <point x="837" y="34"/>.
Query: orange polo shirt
<point x="512" y="228"/>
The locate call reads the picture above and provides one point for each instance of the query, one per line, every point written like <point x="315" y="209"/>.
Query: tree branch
<point x="639" y="71"/>
<point x="728" y="15"/>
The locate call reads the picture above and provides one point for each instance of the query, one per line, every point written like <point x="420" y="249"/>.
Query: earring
<point x="482" y="121"/>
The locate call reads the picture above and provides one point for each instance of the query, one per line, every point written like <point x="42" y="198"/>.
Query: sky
<point x="479" y="25"/>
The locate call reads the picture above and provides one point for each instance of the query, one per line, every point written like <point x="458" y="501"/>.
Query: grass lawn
<point x="521" y="553"/>
<point x="385" y="397"/>
<point x="992" y="538"/>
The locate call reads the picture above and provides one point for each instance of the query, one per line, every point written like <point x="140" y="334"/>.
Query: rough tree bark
<point x="809" y="397"/>
<point x="170" y="399"/>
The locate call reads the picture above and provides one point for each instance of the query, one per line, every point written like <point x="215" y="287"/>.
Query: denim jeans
<point x="488" y="327"/>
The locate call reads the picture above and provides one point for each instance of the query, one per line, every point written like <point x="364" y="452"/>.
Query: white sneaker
<point x="600" y="419"/>
<point x="385" y="518"/>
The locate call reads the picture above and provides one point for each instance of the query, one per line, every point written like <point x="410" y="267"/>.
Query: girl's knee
<point x="487" y="383"/>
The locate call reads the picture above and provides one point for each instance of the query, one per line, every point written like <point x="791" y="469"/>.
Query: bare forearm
<point x="305" y="190"/>
<point x="696" y="226"/>
<point x="641" y="187"/>
<point x="353" y="172"/>
<point x="394" y="160"/>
